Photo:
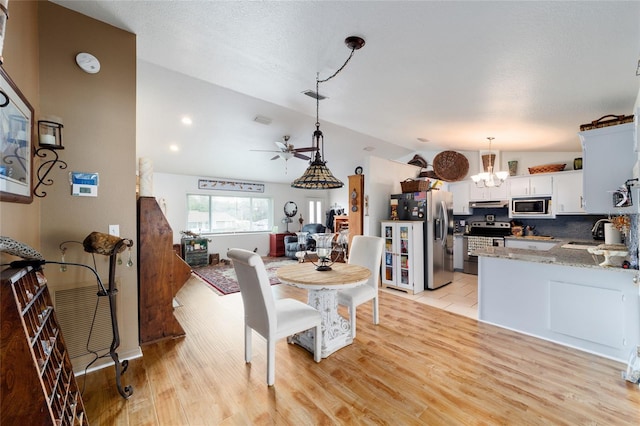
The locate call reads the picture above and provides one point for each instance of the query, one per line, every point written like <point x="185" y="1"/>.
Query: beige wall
<point x="22" y="221"/>
<point x="99" y="116"/>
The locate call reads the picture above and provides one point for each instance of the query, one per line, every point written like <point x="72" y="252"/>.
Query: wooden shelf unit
<point x="195" y="251"/>
<point x="37" y="384"/>
<point x="340" y="223"/>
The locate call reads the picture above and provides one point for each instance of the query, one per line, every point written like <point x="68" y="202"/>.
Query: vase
<point x="487" y="161"/>
<point x="513" y="167"/>
<point x="577" y="163"/>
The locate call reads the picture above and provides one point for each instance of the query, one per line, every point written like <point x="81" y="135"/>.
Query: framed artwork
<point x="484" y="159"/>
<point x="16" y="150"/>
<point x="223" y="185"/>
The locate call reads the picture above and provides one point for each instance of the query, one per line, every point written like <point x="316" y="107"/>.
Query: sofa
<point x="291" y="244"/>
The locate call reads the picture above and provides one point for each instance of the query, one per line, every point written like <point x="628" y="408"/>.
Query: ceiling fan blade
<point x="276" y="157"/>
<point x="308" y="149"/>
<point x="303" y="157"/>
<point x="264" y="150"/>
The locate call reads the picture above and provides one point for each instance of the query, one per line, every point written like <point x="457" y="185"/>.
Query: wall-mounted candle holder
<point x="50" y="141"/>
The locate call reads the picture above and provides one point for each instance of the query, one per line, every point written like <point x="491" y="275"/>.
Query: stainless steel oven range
<point x="482" y="234"/>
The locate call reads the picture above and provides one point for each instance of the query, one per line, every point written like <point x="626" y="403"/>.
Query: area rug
<point x="223" y="277"/>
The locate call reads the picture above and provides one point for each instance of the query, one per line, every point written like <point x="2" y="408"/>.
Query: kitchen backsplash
<point x="577" y="227"/>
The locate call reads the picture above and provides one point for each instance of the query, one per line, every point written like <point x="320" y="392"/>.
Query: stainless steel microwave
<point x="527" y="207"/>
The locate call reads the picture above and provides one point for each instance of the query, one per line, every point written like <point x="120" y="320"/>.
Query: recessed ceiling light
<point x="174" y="148"/>
<point x="425" y="140"/>
<point x="187" y="121"/>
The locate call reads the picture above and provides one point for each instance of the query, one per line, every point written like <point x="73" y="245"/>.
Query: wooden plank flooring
<point x="420" y="366"/>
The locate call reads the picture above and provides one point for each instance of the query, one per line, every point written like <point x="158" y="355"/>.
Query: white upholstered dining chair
<point x="272" y="318"/>
<point x="364" y="251"/>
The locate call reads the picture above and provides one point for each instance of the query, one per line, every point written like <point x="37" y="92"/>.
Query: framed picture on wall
<point x="16" y="149"/>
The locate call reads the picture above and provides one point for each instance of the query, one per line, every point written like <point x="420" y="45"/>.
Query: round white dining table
<point x="323" y="289"/>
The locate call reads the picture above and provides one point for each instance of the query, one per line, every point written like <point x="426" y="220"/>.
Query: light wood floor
<point x="460" y="297"/>
<point x="420" y="366"/>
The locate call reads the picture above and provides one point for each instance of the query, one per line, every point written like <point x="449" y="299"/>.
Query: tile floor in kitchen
<point x="460" y="297"/>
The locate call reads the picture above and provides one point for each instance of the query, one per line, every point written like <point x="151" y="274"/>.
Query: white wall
<point x="171" y="192"/>
<point x="381" y="179"/>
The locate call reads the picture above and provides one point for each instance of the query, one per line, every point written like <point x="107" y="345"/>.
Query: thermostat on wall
<point x="84" y="184"/>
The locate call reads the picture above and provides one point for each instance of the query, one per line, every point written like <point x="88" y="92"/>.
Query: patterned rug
<point x="223" y="277"/>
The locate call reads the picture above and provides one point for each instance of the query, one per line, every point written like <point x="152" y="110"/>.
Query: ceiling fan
<point x="287" y="150"/>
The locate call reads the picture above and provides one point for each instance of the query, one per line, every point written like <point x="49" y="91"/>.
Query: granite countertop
<point x="533" y="237"/>
<point x="556" y="255"/>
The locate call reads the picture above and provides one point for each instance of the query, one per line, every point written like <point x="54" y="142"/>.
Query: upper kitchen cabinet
<point x="484" y="193"/>
<point x="526" y="186"/>
<point x="460" y="192"/>
<point x="608" y="158"/>
<point x="567" y="191"/>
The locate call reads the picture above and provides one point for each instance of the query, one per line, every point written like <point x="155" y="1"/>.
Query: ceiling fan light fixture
<point x="318" y="175"/>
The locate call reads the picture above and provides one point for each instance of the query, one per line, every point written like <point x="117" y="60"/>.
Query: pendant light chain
<point x="353" y="49"/>
<point x="318" y="81"/>
<point x="318" y="175"/>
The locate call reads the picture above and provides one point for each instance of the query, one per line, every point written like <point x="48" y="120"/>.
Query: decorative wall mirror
<point x="290" y="209"/>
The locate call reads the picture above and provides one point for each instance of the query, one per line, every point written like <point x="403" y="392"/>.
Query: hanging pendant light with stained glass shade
<point x="318" y="175"/>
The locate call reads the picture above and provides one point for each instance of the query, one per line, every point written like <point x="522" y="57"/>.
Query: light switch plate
<point x="114" y="230"/>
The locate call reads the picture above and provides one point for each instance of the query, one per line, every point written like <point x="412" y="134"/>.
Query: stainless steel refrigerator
<point x="436" y="209"/>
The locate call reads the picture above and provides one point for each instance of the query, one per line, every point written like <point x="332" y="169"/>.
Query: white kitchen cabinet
<point x="458" y="255"/>
<point x="567" y="193"/>
<point x="608" y="158"/>
<point x="595" y="310"/>
<point x="460" y="191"/>
<point x="483" y="193"/>
<point x="526" y="186"/>
<point x="403" y="256"/>
<point x="529" y="244"/>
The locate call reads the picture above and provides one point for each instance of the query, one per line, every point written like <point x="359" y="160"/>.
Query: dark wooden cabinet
<point x="276" y="244"/>
<point x="37" y="385"/>
<point x="161" y="273"/>
<point x="195" y="251"/>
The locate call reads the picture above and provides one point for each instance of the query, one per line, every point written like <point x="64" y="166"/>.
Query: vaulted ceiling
<point x="450" y="73"/>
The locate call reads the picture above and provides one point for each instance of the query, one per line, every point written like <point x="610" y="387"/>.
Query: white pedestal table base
<point x="336" y="329"/>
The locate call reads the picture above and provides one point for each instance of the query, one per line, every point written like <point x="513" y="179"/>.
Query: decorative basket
<point x="410" y="185"/>
<point x="547" y="168"/>
<point x="450" y="166"/>
<point x="611" y="120"/>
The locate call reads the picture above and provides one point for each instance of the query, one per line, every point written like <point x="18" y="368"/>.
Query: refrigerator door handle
<point x="444" y="227"/>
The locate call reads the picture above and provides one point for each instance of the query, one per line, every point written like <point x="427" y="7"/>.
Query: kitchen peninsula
<point x="561" y="295"/>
